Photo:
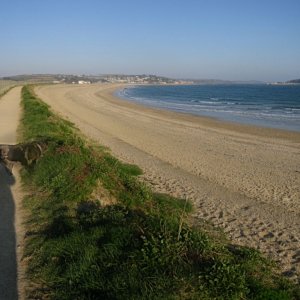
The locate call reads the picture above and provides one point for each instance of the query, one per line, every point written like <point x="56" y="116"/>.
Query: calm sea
<point x="264" y="105"/>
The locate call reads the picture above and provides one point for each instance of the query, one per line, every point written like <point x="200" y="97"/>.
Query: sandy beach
<point x="244" y="179"/>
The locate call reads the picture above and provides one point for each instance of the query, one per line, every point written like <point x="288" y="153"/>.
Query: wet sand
<point x="245" y="179"/>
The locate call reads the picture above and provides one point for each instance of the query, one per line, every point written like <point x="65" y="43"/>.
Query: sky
<point x="220" y="39"/>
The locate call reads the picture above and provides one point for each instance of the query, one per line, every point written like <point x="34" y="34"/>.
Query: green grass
<point x="95" y="231"/>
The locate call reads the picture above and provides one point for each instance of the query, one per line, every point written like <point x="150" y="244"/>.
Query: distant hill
<point x="51" y="78"/>
<point x="32" y="77"/>
<point x="297" y="81"/>
<point x="115" y="78"/>
<point x="119" y="78"/>
<point x="220" y="81"/>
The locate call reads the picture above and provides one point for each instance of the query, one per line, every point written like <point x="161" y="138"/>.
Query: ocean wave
<point x="256" y="103"/>
<point x="292" y="109"/>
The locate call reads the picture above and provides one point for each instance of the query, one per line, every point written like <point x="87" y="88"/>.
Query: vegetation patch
<point x="138" y="246"/>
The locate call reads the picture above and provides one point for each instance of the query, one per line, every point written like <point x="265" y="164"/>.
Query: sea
<point x="275" y="106"/>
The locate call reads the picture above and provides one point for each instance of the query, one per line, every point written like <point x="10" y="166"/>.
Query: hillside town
<point x="88" y="79"/>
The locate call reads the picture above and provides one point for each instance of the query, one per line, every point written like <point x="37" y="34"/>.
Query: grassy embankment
<point x="96" y="232"/>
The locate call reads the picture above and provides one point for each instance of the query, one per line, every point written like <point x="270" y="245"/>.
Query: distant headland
<point x="117" y="78"/>
<point x="289" y="82"/>
<point x="129" y="79"/>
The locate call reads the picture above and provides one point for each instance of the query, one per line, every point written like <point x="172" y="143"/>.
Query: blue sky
<point x="225" y="39"/>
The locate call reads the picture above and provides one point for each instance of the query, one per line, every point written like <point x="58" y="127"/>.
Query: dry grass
<point x="5" y="85"/>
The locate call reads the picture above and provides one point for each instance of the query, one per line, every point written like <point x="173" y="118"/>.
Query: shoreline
<point x="244" y="179"/>
<point x="204" y="120"/>
<point x="233" y="120"/>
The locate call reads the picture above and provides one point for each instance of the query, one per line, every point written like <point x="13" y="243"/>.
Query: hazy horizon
<point x="129" y="74"/>
<point x="226" y="40"/>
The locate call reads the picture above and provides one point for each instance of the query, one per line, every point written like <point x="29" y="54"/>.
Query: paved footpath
<point x="11" y="233"/>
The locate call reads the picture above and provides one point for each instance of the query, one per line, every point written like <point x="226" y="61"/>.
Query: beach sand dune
<point x="244" y="179"/>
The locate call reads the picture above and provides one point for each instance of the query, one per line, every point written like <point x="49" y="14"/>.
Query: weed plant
<point x="138" y="245"/>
